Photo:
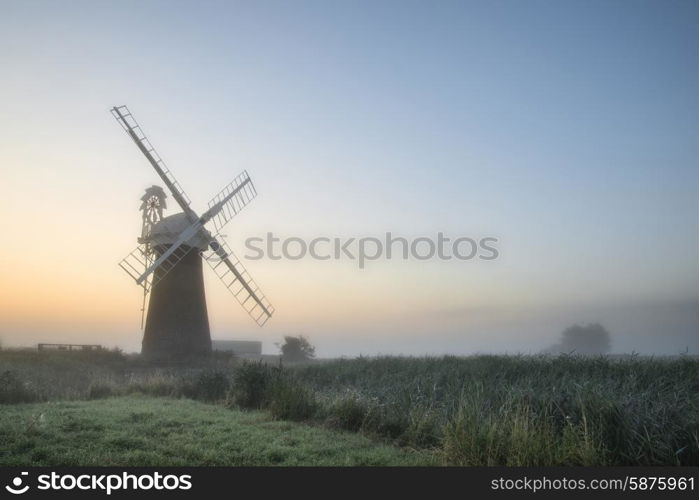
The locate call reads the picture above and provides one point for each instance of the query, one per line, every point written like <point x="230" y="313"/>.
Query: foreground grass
<point x="479" y="410"/>
<point x="523" y="410"/>
<point x="149" y="431"/>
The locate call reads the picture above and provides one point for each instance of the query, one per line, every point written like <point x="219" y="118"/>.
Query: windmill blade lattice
<point x="238" y="281"/>
<point x="244" y="193"/>
<point x="131" y="126"/>
<point x="143" y="256"/>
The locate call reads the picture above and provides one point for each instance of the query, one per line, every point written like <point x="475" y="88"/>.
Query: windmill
<point x="167" y="263"/>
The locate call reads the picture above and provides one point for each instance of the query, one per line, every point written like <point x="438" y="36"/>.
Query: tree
<point x="297" y="348"/>
<point x="583" y="339"/>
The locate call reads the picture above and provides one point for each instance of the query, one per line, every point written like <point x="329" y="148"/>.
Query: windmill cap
<point x="168" y="230"/>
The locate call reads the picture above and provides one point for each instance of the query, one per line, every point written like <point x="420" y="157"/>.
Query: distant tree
<point x="583" y="339"/>
<point x="297" y="348"/>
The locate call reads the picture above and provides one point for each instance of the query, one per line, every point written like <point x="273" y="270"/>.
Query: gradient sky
<point x="569" y="130"/>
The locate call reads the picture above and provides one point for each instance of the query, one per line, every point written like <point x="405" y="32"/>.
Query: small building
<point x="241" y="348"/>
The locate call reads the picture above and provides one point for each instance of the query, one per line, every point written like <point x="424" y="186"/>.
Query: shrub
<point x="290" y="400"/>
<point x="297" y="349"/>
<point x="504" y="432"/>
<point x="348" y="411"/>
<point x="209" y="386"/>
<point x="14" y="390"/>
<point x="259" y="386"/>
<point x="156" y="384"/>
<point x="99" y="390"/>
<point x="387" y="419"/>
<point x="251" y="384"/>
<point x="583" y="339"/>
<point x="423" y="428"/>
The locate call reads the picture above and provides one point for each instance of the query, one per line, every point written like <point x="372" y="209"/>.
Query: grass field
<point x="481" y="410"/>
<point x="140" y="430"/>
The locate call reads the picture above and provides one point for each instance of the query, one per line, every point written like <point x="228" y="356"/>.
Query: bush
<point x="98" y="390"/>
<point x="251" y="384"/>
<point x="156" y="384"/>
<point x="583" y="339"/>
<point x="297" y="349"/>
<point x="388" y="419"/>
<point x="289" y="400"/>
<point x="348" y="411"/>
<point x="209" y="386"/>
<point x="512" y="433"/>
<point x="423" y="428"/>
<point x="259" y="386"/>
<point x="14" y="390"/>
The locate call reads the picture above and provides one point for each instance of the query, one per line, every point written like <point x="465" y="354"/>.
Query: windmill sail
<point x="232" y="198"/>
<point x="142" y="257"/>
<point x="131" y="126"/>
<point x="238" y="281"/>
<point x="136" y="261"/>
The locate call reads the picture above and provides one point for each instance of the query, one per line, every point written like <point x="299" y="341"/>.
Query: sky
<point x="567" y="130"/>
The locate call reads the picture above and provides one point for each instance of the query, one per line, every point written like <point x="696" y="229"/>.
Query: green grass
<point x="163" y="431"/>
<point x="480" y="410"/>
<point x="522" y="410"/>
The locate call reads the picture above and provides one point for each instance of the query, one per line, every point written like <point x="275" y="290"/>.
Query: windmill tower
<point x="168" y="262"/>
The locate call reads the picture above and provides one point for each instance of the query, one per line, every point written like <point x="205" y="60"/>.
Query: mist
<point x="656" y="328"/>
